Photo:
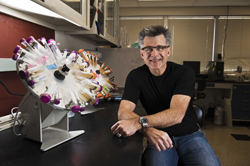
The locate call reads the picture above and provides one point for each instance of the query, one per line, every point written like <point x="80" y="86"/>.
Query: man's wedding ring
<point x="118" y="135"/>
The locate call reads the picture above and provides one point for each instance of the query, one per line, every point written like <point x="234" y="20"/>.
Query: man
<point x="165" y="90"/>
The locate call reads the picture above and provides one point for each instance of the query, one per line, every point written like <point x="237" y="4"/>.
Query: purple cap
<point x="17" y="49"/>
<point x="31" y="82"/>
<point x="75" y="108"/>
<point x="15" y="57"/>
<point x="22" y="40"/>
<point x="73" y="52"/>
<point x="82" y="108"/>
<point x="96" y="102"/>
<point x="87" y="63"/>
<point x="45" y="98"/>
<point x="43" y="38"/>
<point x="100" y="88"/>
<point x="114" y="90"/>
<point x="97" y="83"/>
<point x="30" y="39"/>
<point x="51" y="41"/>
<point x="23" y="74"/>
<point x="57" y="101"/>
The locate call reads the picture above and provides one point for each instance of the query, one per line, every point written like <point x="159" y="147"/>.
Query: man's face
<point x="155" y="59"/>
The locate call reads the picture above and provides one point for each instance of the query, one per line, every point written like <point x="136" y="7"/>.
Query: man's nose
<point x="154" y="52"/>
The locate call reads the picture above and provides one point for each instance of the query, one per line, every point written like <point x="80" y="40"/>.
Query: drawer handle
<point x="245" y="109"/>
<point x="246" y="100"/>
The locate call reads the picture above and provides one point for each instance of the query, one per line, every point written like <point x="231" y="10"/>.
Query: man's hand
<point x="157" y="138"/>
<point x="126" y="127"/>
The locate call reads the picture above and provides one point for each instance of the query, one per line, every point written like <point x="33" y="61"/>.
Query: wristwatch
<point x="143" y="121"/>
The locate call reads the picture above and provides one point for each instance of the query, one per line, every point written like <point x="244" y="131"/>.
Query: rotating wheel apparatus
<point x="57" y="82"/>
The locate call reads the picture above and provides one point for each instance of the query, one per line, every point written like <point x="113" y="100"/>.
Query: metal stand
<point x="45" y="123"/>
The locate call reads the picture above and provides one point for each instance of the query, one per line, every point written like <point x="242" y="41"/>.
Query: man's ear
<point x="141" y="53"/>
<point x="169" y="51"/>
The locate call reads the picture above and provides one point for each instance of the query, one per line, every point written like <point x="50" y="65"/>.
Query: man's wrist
<point x="143" y="121"/>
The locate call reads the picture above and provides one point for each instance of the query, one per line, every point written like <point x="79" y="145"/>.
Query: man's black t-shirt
<point x="155" y="93"/>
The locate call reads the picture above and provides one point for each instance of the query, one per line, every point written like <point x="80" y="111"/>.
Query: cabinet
<point x="241" y="102"/>
<point x="103" y="22"/>
<point x="95" y="19"/>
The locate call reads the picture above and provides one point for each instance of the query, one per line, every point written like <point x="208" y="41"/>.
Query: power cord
<point x="16" y="120"/>
<point x="9" y="91"/>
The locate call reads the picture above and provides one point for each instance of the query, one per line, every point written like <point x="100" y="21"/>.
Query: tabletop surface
<point x="96" y="147"/>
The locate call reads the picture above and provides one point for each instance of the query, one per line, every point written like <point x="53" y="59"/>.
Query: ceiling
<point x="183" y="3"/>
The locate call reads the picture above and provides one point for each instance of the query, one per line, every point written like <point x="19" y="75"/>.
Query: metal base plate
<point x="53" y="137"/>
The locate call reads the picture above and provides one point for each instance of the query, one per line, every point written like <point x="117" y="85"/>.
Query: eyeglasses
<point x="149" y="49"/>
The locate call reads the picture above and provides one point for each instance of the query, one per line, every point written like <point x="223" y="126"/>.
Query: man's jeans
<point x="193" y="149"/>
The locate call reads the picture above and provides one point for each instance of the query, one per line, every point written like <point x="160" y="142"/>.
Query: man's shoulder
<point x="139" y="70"/>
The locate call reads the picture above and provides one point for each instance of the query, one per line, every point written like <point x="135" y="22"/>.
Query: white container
<point x="219" y="115"/>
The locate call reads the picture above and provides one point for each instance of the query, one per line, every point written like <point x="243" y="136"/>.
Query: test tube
<point x="26" y="44"/>
<point x="23" y="74"/>
<point x="107" y="72"/>
<point x="88" y="83"/>
<point x="65" y="53"/>
<point x="33" y="57"/>
<point x="56" y="98"/>
<point x="46" y="46"/>
<point x="24" y="59"/>
<point x="87" y="96"/>
<point x="34" y="43"/>
<point x="95" y="60"/>
<point x="55" y="49"/>
<point x="83" y="54"/>
<point x="82" y="106"/>
<point x="72" y="56"/>
<point x="81" y="65"/>
<point x="75" y="108"/>
<point x="41" y="77"/>
<point x="46" y="97"/>
<point x="86" y="74"/>
<point x="101" y="67"/>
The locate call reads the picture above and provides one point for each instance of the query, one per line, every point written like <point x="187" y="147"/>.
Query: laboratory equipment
<point x="58" y="83"/>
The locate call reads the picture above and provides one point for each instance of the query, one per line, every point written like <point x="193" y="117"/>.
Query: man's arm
<point x="171" y="116"/>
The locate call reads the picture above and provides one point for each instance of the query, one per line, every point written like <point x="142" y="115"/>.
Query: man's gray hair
<point x="152" y="31"/>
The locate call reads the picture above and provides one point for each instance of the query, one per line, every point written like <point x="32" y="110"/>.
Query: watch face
<point x="144" y="121"/>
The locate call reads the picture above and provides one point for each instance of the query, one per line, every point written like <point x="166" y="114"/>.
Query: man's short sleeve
<point x="132" y="89"/>
<point x="185" y="81"/>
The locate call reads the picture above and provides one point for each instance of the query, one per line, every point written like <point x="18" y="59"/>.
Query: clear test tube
<point x="106" y="72"/>
<point x="24" y="59"/>
<point x="24" y="74"/>
<point x="46" y="46"/>
<point x="31" y="49"/>
<point x="46" y="97"/>
<point x="88" y="83"/>
<point x="26" y="44"/>
<point x="41" y="77"/>
<point x="91" y="57"/>
<point x="75" y="107"/>
<point x="56" y="51"/>
<point x="87" y="96"/>
<point x="65" y="53"/>
<point x="82" y="65"/>
<point x="79" y="101"/>
<point x="105" y="91"/>
<point x="86" y="74"/>
<point x="56" y="98"/>
<point x="22" y="52"/>
<point x="83" y="54"/>
<point x="95" y="60"/>
<point x="35" y="44"/>
<point x="101" y="67"/>
<point x="111" y="87"/>
<point x="69" y="60"/>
